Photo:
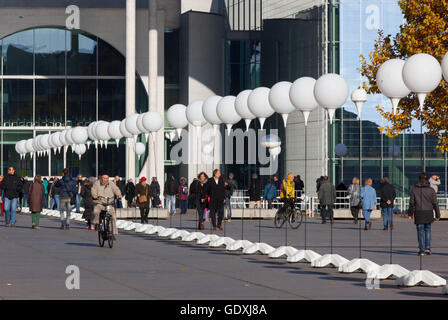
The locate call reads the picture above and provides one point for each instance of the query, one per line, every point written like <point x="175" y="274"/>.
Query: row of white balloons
<point x="97" y="131"/>
<point x="329" y="91"/>
<point x="420" y="74"/>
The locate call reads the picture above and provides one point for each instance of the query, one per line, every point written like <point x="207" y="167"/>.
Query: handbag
<point x="143" y="198"/>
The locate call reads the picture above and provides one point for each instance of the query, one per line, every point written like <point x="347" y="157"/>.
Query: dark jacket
<point x="86" y="193"/>
<point x="36" y="194"/>
<point x="216" y="192"/>
<point x="201" y="194"/>
<point x="254" y="190"/>
<point x="54" y="190"/>
<point x="130" y="191"/>
<point x="278" y="184"/>
<point x="12" y="186"/>
<point x="171" y="187"/>
<point x="143" y="191"/>
<point x="298" y="185"/>
<point x="423" y="203"/>
<point x="231" y="186"/>
<point x="26" y="186"/>
<point x="387" y="192"/>
<point x="327" y="194"/>
<point x="67" y="186"/>
<point x="155" y="188"/>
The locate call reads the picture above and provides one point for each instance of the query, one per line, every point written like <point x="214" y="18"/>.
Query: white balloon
<point x="80" y="135"/>
<point x="302" y="97"/>
<point x="114" y="131"/>
<point x="68" y="137"/>
<point x="194" y="114"/>
<point x="91" y="131"/>
<point x="152" y="121"/>
<point x="331" y="92"/>
<point x="123" y="129"/>
<point x="29" y="146"/>
<point x="140" y="126"/>
<point x="242" y="108"/>
<point x="209" y="110"/>
<point x="20" y="146"/>
<point x="274" y="152"/>
<point x="389" y="79"/>
<point x="62" y="138"/>
<point x="359" y="97"/>
<point x="422" y="74"/>
<point x="131" y="124"/>
<point x="55" y="139"/>
<point x="44" y="141"/>
<point x="139" y="149"/>
<point x="80" y="149"/>
<point x="258" y="103"/>
<point x="177" y="118"/>
<point x="101" y="131"/>
<point x="279" y="99"/>
<point x="226" y="111"/>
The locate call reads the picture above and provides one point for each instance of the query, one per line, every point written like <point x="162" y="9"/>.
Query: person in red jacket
<point x="183" y="195"/>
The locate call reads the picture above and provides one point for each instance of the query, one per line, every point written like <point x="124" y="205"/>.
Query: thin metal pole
<point x="359" y="227"/>
<point x="391" y="239"/>
<point x="242" y="221"/>
<point x="259" y="224"/>
<point x="331" y="237"/>
<point x="286" y="232"/>
<point x="304" y="185"/>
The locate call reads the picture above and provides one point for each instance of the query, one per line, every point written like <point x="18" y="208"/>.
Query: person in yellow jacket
<point x="287" y="191"/>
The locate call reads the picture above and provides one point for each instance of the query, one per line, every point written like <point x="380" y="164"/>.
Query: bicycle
<point x="289" y="213"/>
<point x="105" y="227"/>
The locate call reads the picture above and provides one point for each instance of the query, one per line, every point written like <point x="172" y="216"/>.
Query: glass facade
<point x="359" y="22"/>
<point x="53" y="78"/>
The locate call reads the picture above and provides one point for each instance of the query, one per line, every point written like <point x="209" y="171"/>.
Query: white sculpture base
<point x="154" y="229"/>
<point x="79" y="218"/>
<point x="179" y="234"/>
<point x="125" y="225"/>
<point x="239" y="244"/>
<point x="445" y="290"/>
<point x="143" y="227"/>
<point x="387" y="271"/>
<point x="264" y="248"/>
<point x="167" y="232"/>
<point x="207" y="238"/>
<point x="417" y="277"/>
<point x="130" y="226"/>
<point x="329" y="260"/>
<point x="365" y="265"/>
<point x="193" y="236"/>
<point x="221" y="241"/>
<point x="307" y="255"/>
<point x="120" y="223"/>
<point x="283" y="251"/>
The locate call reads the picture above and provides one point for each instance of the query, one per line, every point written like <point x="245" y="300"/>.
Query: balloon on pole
<point x="280" y="101"/>
<point x="302" y="96"/>
<point x="209" y="111"/>
<point x="359" y="97"/>
<point x="152" y="122"/>
<point x="80" y="149"/>
<point x="176" y="116"/>
<point x="227" y="113"/>
<point x="258" y="103"/>
<point x="331" y="92"/>
<point x="242" y="108"/>
<point x="139" y="149"/>
<point x="114" y="131"/>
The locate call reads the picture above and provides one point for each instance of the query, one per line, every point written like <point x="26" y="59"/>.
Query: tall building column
<point x="130" y="82"/>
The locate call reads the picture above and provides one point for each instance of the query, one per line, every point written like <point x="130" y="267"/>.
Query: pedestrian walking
<point x="25" y="191"/>
<point x="36" y="194"/>
<point x="387" y="196"/>
<point x="86" y="193"/>
<point x="67" y="188"/>
<point x="55" y="193"/>
<point x="45" y="198"/>
<point x="79" y="184"/>
<point x="130" y="193"/>
<point x="422" y="206"/>
<point x="270" y="192"/>
<point x="327" y="198"/>
<point x="277" y="183"/>
<point x="254" y="192"/>
<point x="202" y="202"/>
<point x="192" y="197"/>
<point x="182" y="194"/>
<point x="354" y="195"/>
<point x="155" y="188"/>
<point x="12" y="187"/>
<point x="298" y="186"/>
<point x="434" y="182"/>
<point x="117" y="201"/>
<point x="231" y="185"/>
<point x="144" y="196"/>
<point x="169" y="191"/>
<point x="368" y="196"/>
<point x="216" y="192"/>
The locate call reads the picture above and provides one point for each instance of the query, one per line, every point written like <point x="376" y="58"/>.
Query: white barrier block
<point x="120" y="223"/>
<point x="125" y="224"/>
<point x="354" y="265"/>
<point x="179" y="234"/>
<point x="334" y="260"/>
<point x="386" y="271"/>
<point x="264" y="248"/>
<point x="79" y="218"/>
<point x="143" y="227"/>
<point x="418" y="277"/>
<point x="221" y="241"/>
<point x="283" y="251"/>
<point x="131" y="227"/>
<point x="445" y="290"/>
<point x="154" y="229"/>
<point x="308" y="255"/>
<point x="193" y="236"/>
<point x="239" y="244"/>
<point x="207" y="238"/>
<point x="167" y="232"/>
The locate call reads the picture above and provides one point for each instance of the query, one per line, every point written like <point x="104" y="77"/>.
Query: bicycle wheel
<point x="100" y="235"/>
<point x="279" y="219"/>
<point x="110" y="233"/>
<point x="295" y="218"/>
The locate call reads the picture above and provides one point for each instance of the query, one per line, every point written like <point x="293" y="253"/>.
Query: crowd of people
<point x="209" y="196"/>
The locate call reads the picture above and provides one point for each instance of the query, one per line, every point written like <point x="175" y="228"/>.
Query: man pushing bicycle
<point x="102" y="190"/>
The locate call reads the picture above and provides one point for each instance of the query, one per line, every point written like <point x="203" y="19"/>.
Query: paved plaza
<point x="33" y="263"/>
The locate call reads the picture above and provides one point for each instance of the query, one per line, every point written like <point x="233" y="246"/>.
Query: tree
<point x="425" y="31"/>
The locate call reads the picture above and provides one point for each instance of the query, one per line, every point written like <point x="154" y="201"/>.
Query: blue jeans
<point x="229" y="208"/>
<point x="424" y="236"/>
<point x="55" y="199"/>
<point x="45" y="201"/>
<point x="25" y="200"/>
<point x="387" y="216"/>
<point x="10" y="210"/>
<point x="366" y="214"/>
<point x="183" y="206"/>
<point x="170" y="199"/>
<point x="78" y="202"/>
<point x="65" y="204"/>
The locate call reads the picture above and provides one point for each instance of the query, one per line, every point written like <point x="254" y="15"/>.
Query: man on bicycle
<point x="287" y="192"/>
<point x="102" y="190"/>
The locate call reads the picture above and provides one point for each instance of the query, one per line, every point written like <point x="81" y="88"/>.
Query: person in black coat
<point x="201" y="198"/>
<point x="130" y="192"/>
<point x="387" y="196"/>
<point x="155" y="188"/>
<point x="216" y="190"/>
<point x="254" y="192"/>
<point x="422" y="205"/>
<point x="86" y="193"/>
<point x="192" y="196"/>
<point x="12" y="188"/>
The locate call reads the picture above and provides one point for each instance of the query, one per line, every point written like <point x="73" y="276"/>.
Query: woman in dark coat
<point x="201" y="198"/>
<point x="144" y="195"/>
<point x="86" y="193"/>
<point x="216" y="191"/>
<point x="130" y="192"/>
<point x="155" y="188"/>
<point x="36" y="194"/>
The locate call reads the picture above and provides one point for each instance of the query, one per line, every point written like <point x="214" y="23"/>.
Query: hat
<point x="142" y="179"/>
<point x="290" y="175"/>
